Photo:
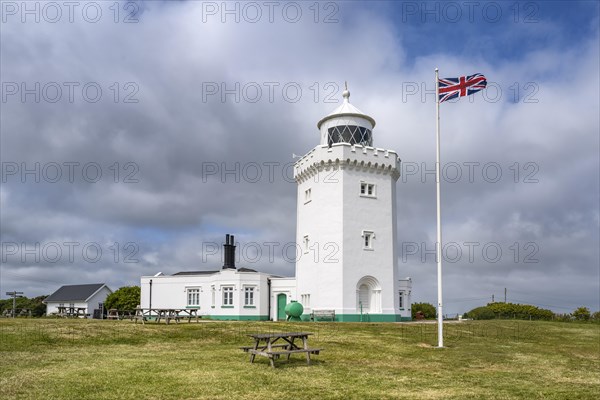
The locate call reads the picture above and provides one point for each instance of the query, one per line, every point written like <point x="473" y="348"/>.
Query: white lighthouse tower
<point x="346" y="223"/>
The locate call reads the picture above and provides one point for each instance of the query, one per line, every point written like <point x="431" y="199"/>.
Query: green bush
<point x="124" y="299"/>
<point x="512" y="310"/>
<point x="520" y="311"/>
<point x="427" y="309"/>
<point x="481" y="313"/>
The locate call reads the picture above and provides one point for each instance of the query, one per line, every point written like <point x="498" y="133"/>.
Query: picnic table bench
<point x="168" y="314"/>
<point x="71" y="312"/>
<point x="25" y="312"/>
<point x="113" y="313"/>
<point x="322" y="314"/>
<point x="266" y="345"/>
<point x="19" y="312"/>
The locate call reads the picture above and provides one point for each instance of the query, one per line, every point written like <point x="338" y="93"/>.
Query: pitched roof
<point x="75" y="292"/>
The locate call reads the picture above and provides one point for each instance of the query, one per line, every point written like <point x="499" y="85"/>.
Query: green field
<point x="82" y="359"/>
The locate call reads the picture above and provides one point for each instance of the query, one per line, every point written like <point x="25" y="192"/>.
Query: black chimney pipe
<point x="229" y="252"/>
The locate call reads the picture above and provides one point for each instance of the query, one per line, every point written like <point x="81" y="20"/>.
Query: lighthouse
<point x="346" y="223"/>
<point x="346" y="260"/>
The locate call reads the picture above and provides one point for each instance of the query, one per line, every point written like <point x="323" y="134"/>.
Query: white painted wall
<point x="99" y="297"/>
<point x="170" y="291"/>
<point x="319" y="268"/>
<point x="334" y="220"/>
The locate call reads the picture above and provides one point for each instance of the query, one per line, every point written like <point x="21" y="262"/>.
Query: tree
<point x="36" y="306"/>
<point x="427" y="309"/>
<point x="123" y="299"/>
<point x="582" y="314"/>
<point x="33" y="304"/>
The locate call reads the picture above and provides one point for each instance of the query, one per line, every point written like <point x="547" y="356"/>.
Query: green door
<point x="281" y="302"/>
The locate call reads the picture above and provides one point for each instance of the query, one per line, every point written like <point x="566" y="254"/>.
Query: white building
<point x="346" y="227"/>
<point x="88" y="296"/>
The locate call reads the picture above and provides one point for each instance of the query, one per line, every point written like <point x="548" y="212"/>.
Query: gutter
<point x="269" y="302"/>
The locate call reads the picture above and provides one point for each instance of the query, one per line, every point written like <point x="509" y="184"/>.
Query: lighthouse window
<point x="351" y="134"/>
<point x="367" y="189"/>
<point x="368" y="240"/>
<point x="307" y="195"/>
<point x="401" y="300"/>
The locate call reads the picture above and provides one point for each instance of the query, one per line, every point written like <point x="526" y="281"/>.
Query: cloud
<point x="181" y="165"/>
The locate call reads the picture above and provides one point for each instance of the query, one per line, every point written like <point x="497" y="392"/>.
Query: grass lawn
<point x="88" y="359"/>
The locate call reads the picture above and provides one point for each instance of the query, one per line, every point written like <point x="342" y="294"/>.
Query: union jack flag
<point x="451" y="88"/>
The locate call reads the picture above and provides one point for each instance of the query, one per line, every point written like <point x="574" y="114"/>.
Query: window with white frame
<point x="306" y="244"/>
<point x="213" y="296"/>
<point x="193" y="297"/>
<point x="305" y="300"/>
<point x="400" y="299"/>
<point x="227" y="295"/>
<point x="367" y="189"/>
<point x="368" y="237"/>
<point x="307" y="195"/>
<point x="249" y="296"/>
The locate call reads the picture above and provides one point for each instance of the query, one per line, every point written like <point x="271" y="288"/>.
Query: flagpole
<point x="439" y="216"/>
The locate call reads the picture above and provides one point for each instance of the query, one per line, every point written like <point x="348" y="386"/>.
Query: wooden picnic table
<point x="71" y="312"/>
<point x="274" y="345"/>
<point x="167" y="314"/>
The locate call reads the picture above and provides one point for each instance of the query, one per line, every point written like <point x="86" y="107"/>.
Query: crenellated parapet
<point x="347" y="156"/>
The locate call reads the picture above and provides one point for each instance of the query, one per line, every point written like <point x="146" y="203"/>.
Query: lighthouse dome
<point x="346" y="124"/>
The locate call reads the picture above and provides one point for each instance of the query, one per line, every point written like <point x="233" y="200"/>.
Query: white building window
<point x="249" y="296"/>
<point x="193" y="297"/>
<point x="368" y="237"/>
<point x="307" y="195"/>
<point x="305" y="300"/>
<point x="228" y="296"/>
<point x="401" y="300"/>
<point x="213" y="296"/>
<point x="306" y="244"/>
<point x="367" y="189"/>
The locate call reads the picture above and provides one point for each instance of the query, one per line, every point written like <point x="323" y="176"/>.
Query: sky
<point x="135" y="135"/>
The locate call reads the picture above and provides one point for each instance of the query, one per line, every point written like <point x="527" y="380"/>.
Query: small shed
<point x="87" y="297"/>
